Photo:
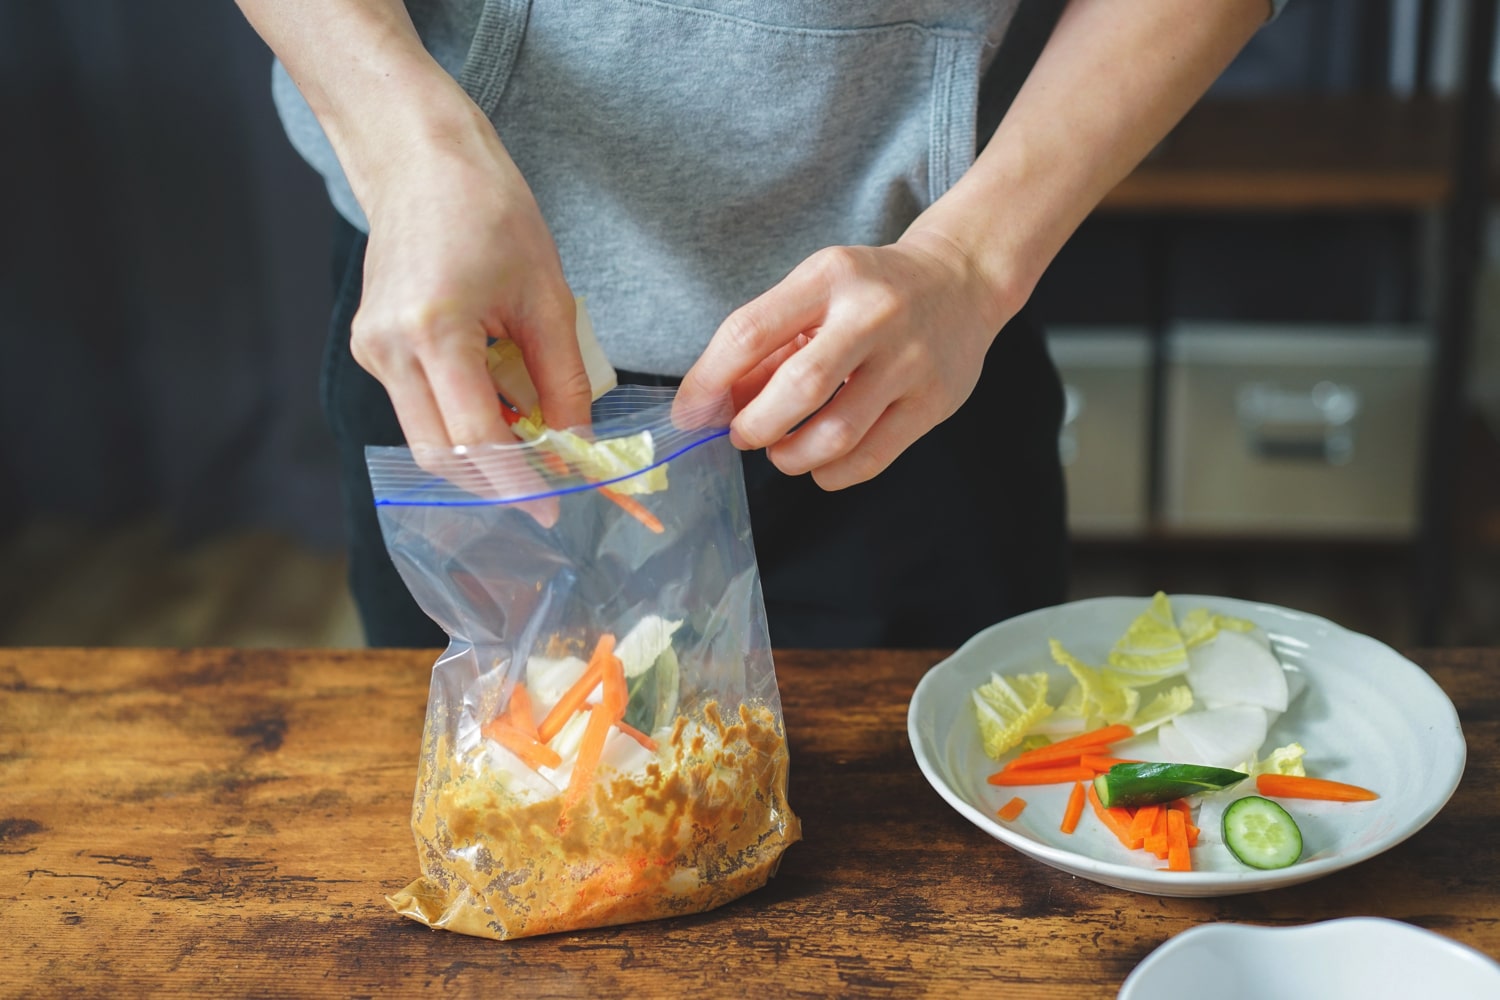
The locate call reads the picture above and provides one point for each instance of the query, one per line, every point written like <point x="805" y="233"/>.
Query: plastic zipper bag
<point x="604" y="740"/>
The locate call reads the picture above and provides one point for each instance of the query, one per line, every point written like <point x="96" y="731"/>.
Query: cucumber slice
<point x="1132" y="785"/>
<point x="1261" y="833"/>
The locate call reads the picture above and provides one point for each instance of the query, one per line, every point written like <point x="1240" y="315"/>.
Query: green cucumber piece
<point x="1261" y="833"/>
<point x="1133" y="785"/>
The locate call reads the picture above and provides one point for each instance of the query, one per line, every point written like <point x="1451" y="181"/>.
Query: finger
<point x="747" y="388"/>
<point x="891" y="434"/>
<point x="417" y="411"/>
<point x="798" y="388"/>
<point x="548" y="340"/>
<point x="835" y="430"/>
<point x="753" y="333"/>
<point x="460" y="384"/>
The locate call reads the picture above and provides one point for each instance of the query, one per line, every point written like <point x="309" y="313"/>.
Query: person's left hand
<point x="866" y="348"/>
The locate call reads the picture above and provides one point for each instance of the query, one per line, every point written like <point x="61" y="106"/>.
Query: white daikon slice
<point x="1175" y="747"/>
<point x="1234" y="669"/>
<point x="1223" y="737"/>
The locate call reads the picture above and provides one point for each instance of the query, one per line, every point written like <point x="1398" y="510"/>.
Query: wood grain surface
<point x="222" y="823"/>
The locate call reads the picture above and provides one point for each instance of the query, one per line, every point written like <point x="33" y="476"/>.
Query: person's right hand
<point x="458" y="253"/>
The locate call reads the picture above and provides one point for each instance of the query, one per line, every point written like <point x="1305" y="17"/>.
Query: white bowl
<point x="1355" y="958"/>
<point x="1369" y="716"/>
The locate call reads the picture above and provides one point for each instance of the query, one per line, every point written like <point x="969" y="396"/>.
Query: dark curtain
<point x="164" y="277"/>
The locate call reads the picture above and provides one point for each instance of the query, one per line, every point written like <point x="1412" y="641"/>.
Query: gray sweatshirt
<point x="688" y="155"/>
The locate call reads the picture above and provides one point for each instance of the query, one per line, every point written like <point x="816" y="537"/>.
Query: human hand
<point x="458" y="253"/>
<point x="866" y="348"/>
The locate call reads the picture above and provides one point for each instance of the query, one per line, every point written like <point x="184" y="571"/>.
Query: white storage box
<point x="1106" y="377"/>
<point x="1276" y="430"/>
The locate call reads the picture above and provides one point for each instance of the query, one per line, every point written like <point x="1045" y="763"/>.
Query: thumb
<point x="549" y="346"/>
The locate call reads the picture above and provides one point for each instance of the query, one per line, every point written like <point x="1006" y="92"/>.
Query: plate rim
<point x="1195" y="883"/>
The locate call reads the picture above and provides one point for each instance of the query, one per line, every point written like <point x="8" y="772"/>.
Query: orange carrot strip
<point x="519" y="712"/>
<point x="1083" y="741"/>
<point x="1097" y="762"/>
<point x="616" y="694"/>
<point x="1289" y="786"/>
<point x="636" y="735"/>
<point x="536" y="755"/>
<point x="1143" y="823"/>
<point x="1012" y="809"/>
<point x="1066" y="757"/>
<point x="1041" y="776"/>
<point x="1074" y="811"/>
<point x="635" y="509"/>
<point x="1186" y="808"/>
<point x="1178" y="859"/>
<point x="590" y="749"/>
<point x="574" y="698"/>
<point x="1156" y="841"/>
<point x="1116" y="819"/>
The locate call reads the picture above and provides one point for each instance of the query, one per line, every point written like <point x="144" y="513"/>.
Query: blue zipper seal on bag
<point x="400" y="501"/>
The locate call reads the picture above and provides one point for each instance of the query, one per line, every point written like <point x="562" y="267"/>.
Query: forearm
<point x="1111" y="82"/>
<point x="379" y="95"/>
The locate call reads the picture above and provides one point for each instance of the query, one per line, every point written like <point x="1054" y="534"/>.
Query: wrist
<point x="985" y="276"/>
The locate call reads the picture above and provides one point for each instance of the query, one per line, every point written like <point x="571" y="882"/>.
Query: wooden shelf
<point x="1317" y="154"/>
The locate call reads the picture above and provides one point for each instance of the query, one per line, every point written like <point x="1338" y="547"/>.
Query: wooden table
<point x="227" y="823"/>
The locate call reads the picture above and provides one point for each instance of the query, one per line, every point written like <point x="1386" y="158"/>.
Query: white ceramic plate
<point x="1368" y="716"/>
<point x="1355" y="958"/>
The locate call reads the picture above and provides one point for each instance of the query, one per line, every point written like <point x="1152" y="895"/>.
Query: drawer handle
<point x="1295" y="424"/>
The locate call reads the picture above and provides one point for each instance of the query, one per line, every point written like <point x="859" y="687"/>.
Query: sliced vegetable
<point x="1234" y="669"/>
<point x="536" y="755"/>
<point x="1152" y="646"/>
<point x="576" y="696"/>
<point x="1223" y="737"/>
<point x="637" y="735"/>
<point x="1091" y="740"/>
<point x="1040" y="775"/>
<point x="1290" y="786"/>
<point x="1143" y="822"/>
<point x="1007" y="707"/>
<point x="1261" y="834"/>
<point x="1132" y="785"/>
<point x="1097" y="762"/>
<point x="1282" y="760"/>
<point x="519" y="713"/>
<point x="1074" y="811"/>
<point x="1178" y="858"/>
<point x="1116" y="820"/>
<point x="635" y="509"/>
<point x="1012" y="809"/>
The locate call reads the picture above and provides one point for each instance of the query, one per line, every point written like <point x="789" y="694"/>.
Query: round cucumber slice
<point x="1261" y="833"/>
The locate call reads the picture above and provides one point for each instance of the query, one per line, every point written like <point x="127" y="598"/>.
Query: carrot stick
<point x="1156" y="842"/>
<point x="1040" y="776"/>
<point x="536" y="755"/>
<point x="636" y="735"/>
<point x="1098" y="762"/>
<point x="1078" y="744"/>
<point x="574" y="698"/>
<point x="1289" y="786"/>
<point x="1074" y="810"/>
<point x="1186" y="808"/>
<point x="616" y="695"/>
<point x="519" y="712"/>
<point x="635" y="509"/>
<point x="590" y="749"/>
<point x="1116" y="820"/>
<point x="1143" y="823"/>
<point x="1012" y="809"/>
<point x="1178" y="859"/>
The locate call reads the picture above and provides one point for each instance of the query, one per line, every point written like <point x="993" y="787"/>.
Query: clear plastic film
<point x="604" y="740"/>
